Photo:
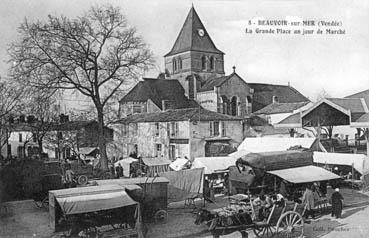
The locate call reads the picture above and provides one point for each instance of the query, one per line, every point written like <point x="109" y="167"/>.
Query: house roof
<point x="189" y="38"/>
<point x="188" y="114"/>
<point x="276" y="108"/>
<point x="291" y="121"/>
<point x="363" y="94"/>
<point x="356" y="108"/>
<point x="158" y="90"/>
<point x="355" y="105"/>
<point x="263" y="95"/>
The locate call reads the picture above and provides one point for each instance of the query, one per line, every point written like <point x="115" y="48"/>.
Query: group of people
<point x="311" y="195"/>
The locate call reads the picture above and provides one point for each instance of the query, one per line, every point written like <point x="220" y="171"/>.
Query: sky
<point x="337" y="64"/>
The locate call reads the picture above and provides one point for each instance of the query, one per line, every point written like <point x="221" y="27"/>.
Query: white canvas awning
<point x="360" y="162"/>
<point x="94" y="202"/>
<point x="304" y="174"/>
<point x="268" y="144"/>
<point x="178" y="164"/>
<point x="213" y="164"/>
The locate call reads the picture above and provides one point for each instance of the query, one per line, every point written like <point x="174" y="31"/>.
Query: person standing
<point x="308" y="201"/>
<point x="69" y="176"/>
<point x="337" y="203"/>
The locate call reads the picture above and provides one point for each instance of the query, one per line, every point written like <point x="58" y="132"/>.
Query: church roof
<point x="276" y="108"/>
<point x="214" y="82"/>
<point x="263" y="95"/>
<point x="158" y="90"/>
<point x="189" y="38"/>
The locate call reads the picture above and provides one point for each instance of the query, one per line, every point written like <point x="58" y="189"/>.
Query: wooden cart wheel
<point x="161" y="216"/>
<point x="264" y="231"/>
<point x="82" y="180"/>
<point x="290" y="224"/>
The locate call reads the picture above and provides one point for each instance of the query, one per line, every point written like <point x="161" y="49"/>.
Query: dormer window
<point x="275" y="99"/>
<point x="203" y="62"/>
<point x="212" y="63"/>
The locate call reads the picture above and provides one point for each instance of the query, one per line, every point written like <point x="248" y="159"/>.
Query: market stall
<point x="95" y="206"/>
<point x="155" y="165"/>
<point x="126" y="164"/>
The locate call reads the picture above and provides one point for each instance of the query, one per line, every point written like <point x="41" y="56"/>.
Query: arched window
<point x="203" y="62"/>
<point x="212" y="63"/>
<point x="224" y="105"/>
<point x="174" y="65"/>
<point x="248" y="104"/>
<point x="179" y="63"/>
<point x="234" y="106"/>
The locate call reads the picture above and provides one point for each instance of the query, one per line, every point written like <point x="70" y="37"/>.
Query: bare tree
<point x="10" y="102"/>
<point x="96" y="54"/>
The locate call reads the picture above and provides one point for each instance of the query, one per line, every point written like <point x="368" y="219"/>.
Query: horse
<point x="218" y="225"/>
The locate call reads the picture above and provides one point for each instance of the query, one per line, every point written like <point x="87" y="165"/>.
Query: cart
<point x="96" y="211"/>
<point x="153" y="197"/>
<point x="286" y="221"/>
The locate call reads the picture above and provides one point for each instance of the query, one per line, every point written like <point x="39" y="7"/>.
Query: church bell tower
<point x="194" y="58"/>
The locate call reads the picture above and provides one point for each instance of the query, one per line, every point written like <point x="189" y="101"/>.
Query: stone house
<point x="191" y="132"/>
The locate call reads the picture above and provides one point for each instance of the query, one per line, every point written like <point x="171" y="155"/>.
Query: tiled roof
<point x="275" y="108"/>
<point x="270" y="130"/>
<point x="214" y="82"/>
<point x="363" y="94"/>
<point x="363" y="118"/>
<point x="188" y="114"/>
<point x="189" y="38"/>
<point x="158" y="90"/>
<point x="353" y="104"/>
<point x="291" y="119"/>
<point x="263" y="95"/>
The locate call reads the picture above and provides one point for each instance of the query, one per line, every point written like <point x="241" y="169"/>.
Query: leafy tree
<point x="95" y="54"/>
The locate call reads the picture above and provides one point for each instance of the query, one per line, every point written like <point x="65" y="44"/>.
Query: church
<point x="195" y="76"/>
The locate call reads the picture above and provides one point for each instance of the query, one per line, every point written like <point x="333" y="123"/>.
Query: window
<point x="179" y="63"/>
<point x="174" y="129"/>
<point x="248" y="104"/>
<point x="136" y="109"/>
<point x="214" y="128"/>
<point x="158" y="150"/>
<point x="203" y="62"/>
<point x="20" y="137"/>
<point x="174" y="65"/>
<point x="212" y="63"/>
<point x="223" y="128"/>
<point x="172" y="152"/>
<point x="157" y="129"/>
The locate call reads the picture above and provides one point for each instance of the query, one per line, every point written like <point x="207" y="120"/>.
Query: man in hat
<point x="337" y="204"/>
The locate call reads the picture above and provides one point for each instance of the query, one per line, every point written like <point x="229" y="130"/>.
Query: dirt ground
<point x="24" y="219"/>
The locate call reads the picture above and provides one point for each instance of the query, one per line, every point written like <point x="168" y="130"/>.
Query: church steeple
<point x="193" y="37"/>
<point x="194" y="54"/>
